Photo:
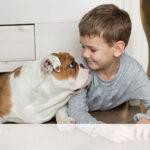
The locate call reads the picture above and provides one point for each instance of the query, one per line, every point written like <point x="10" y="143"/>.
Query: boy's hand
<point x="143" y="121"/>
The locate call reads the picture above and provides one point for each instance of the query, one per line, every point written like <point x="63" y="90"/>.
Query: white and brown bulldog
<point x="37" y="92"/>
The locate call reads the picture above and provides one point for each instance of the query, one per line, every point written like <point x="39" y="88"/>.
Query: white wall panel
<point x="56" y="27"/>
<point x="37" y="11"/>
<point x="17" y="43"/>
<point x="57" y="37"/>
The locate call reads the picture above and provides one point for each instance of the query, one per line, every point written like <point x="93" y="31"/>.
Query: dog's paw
<point x="66" y="125"/>
<point x="70" y="120"/>
<point x="67" y="120"/>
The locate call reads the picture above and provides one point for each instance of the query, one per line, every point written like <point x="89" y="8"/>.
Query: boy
<point x="116" y="77"/>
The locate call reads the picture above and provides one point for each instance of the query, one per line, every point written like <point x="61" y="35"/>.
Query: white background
<point x="54" y="27"/>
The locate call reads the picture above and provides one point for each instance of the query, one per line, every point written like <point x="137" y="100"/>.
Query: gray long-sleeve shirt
<point x="130" y="82"/>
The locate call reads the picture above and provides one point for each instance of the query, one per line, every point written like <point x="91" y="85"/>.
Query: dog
<point x="39" y="91"/>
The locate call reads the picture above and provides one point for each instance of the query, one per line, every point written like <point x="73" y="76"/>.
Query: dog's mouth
<point x="77" y="90"/>
<point x="86" y="84"/>
<point x="81" y="89"/>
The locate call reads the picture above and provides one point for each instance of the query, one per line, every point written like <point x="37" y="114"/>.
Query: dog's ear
<point x="50" y="63"/>
<point x="55" y="62"/>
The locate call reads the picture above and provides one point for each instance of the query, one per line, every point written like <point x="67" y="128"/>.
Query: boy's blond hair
<point x="108" y="21"/>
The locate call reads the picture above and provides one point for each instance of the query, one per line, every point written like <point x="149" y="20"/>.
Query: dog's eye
<point x="72" y="65"/>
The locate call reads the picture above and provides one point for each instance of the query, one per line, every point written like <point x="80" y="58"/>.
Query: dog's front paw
<point x="70" y="120"/>
<point x="67" y="120"/>
<point x="66" y="125"/>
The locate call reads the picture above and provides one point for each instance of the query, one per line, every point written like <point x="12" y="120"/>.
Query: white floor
<point x="48" y="137"/>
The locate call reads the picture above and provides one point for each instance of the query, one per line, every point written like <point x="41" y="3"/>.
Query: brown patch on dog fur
<point x="17" y="72"/>
<point x="65" y="71"/>
<point x="5" y="103"/>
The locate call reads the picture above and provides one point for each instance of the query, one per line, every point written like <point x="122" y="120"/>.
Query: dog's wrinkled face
<point x="64" y="68"/>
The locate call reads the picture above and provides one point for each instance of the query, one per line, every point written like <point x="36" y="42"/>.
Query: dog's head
<point x="63" y="67"/>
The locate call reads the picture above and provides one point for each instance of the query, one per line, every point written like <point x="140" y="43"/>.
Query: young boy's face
<point x="98" y="54"/>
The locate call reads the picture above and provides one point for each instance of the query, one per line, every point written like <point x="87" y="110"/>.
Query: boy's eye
<point x="93" y="50"/>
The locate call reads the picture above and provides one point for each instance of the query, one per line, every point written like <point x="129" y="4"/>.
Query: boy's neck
<point x="109" y="73"/>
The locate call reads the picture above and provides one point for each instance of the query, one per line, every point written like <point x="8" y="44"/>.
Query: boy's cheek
<point x="143" y="121"/>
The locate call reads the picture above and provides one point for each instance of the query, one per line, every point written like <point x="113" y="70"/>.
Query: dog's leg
<point x="62" y="116"/>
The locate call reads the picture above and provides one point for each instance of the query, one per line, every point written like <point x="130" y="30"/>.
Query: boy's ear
<point x="119" y="48"/>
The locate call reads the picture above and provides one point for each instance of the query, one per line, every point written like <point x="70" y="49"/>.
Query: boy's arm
<point x="140" y="89"/>
<point x="78" y="109"/>
<point x="143" y="93"/>
<point x="141" y="117"/>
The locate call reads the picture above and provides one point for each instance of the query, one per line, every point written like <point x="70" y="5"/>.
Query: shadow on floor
<point x="115" y="116"/>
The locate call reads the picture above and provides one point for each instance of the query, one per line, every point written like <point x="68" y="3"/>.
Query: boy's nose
<point x="86" y="53"/>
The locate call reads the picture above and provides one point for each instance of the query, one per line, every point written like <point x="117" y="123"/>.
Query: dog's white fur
<point x="37" y="96"/>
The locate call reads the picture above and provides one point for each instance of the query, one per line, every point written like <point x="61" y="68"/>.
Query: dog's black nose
<point x="82" y="66"/>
